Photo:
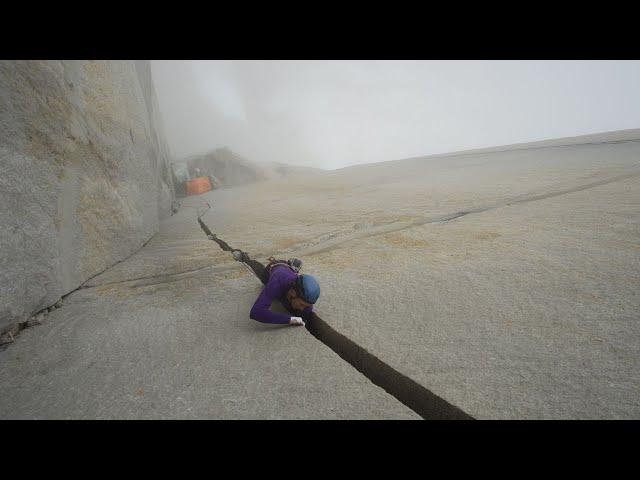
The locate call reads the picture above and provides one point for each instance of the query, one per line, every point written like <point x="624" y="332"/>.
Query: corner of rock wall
<point x="85" y="175"/>
<point x="162" y="153"/>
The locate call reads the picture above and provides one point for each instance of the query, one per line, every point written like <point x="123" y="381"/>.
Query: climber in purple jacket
<point x="283" y="282"/>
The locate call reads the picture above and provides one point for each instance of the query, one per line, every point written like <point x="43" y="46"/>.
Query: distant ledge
<point x="614" y="136"/>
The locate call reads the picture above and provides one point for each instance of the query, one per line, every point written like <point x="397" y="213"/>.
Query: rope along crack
<point x="410" y="393"/>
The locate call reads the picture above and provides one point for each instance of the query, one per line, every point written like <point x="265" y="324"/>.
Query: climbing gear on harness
<point x="305" y="285"/>
<point x="307" y="288"/>
<point x="293" y="264"/>
<point x="239" y="255"/>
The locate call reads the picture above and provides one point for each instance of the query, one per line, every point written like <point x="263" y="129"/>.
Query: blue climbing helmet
<point x="307" y="288"/>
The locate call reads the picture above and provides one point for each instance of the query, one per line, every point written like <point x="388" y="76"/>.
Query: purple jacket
<point x="279" y="283"/>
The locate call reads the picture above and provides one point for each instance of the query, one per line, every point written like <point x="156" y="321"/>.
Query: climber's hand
<point x="296" y="321"/>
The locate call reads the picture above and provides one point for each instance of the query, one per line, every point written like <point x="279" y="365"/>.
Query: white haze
<point x="331" y="114"/>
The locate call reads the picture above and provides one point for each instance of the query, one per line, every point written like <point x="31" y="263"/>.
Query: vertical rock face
<point x="84" y="175"/>
<point x="161" y="155"/>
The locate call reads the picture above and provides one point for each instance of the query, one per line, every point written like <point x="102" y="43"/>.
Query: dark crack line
<point x="534" y="198"/>
<point x="395" y="227"/>
<point x="407" y="391"/>
<point x="410" y="393"/>
<point x="162" y="278"/>
<point x="16" y="327"/>
<point x="82" y="285"/>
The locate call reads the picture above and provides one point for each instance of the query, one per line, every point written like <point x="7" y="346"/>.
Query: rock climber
<point x="282" y="281"/>
<point x="298" y="292"/>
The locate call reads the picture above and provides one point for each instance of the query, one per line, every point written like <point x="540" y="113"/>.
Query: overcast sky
<point x="331" y="114"/>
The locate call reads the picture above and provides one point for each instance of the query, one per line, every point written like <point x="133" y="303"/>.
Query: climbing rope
<point x="425" y="403"/>
<point x="253" y="266"/>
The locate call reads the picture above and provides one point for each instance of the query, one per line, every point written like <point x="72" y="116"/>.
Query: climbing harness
<point x="293" y="264"/>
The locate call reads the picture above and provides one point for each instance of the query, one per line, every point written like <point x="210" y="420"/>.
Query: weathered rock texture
<point x="84" y="175"/>
<point x="507" y="283"/>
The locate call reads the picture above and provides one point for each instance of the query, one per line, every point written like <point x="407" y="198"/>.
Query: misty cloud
<point x="331" y="114"/>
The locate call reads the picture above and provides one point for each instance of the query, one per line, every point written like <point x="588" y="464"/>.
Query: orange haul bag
<point x="198" y="185"/>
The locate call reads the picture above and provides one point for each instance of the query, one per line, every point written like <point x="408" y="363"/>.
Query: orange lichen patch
<point x="403" y="218"/>
<point x="399" y="239"/>
<point x="591" y="297"/>
<point x="284" y="243"/>
<point x="333" y="259"/>
<point x="485" y="235"/>
<point x="235" y="274"/>
<point x="115" y="290"/>
<point x="165" y="294"/>
<point x="343" y="259"/>
<point x="452" y="236"/>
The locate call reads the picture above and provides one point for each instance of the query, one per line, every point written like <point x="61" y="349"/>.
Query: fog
<point x="331" y="114"/>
